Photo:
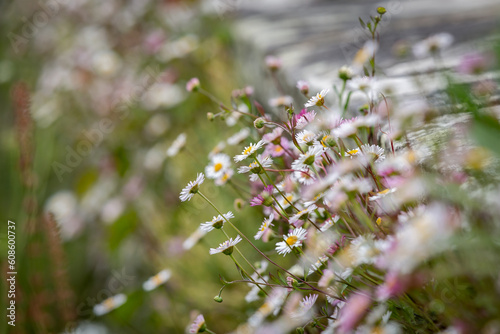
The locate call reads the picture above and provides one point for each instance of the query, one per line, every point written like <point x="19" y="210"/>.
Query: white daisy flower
<point x="218" y="165"/>
<point x="224" y="178"/>
<point x="177" y="145"/>
<point x="198" y="326"/>
<point x="217" y="222"/>
<point x="318" y="99"/>
<point x="374" y="153"/>
<point x="192" y="188"/>
<point x="305" y="305"/>
<point x="329" y="223"/>
<point x="157" y="280"/>
<point x="306" y="137"/>
<point x="302" y="214"/>
<point x="239" y="136"/>
<point x="432" y="45"/>
<point x="315" y="266"/>
<point x="110" y="304"/>
<point x="254" y="167"/>
<point x="285" y="201"/>
<point x="353" y="152"/>
<point x="281" y="101"/>
<point x="365" y="84"/>
<point x="382" y="193"/>
<point x="193" y="239"/>
<point x="307" y="159"/>
<point x="217" y="149"/>
<point x="303" y="86"/>
<point x="266" y="224"/>
<point x="304" y="176"/>
<point x="226" y="247"/>
<point x="293" y="239"/>
<point x="249" y="150"/>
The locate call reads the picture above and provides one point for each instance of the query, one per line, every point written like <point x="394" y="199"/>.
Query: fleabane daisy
<point x="318" y="99"/>
<point x="292" y="240"/>
<point x="226" y="247"/>
<point x="308" y="159"/>
<point x="192" y="188"/>
<point x="318" y="264"/>
<point x="249" y="151"/>
<point x="110" y="304"/>
<point x="224" y="178"/>
<point x="217" y="222"/>
<point x="198" y="325"/>
<point x="373" y="153"/>
<point x="266" y="224"/>
<point x="305" y="306"/>
<point x="255" y="168"/>
<point x="218" y="165"/>
<point x="239" y="137"/>
<point x="306" y="137"/>
<point x="177" y="145"/>
<point x="157" y="280"/>
<point x="302" y="214"/>
<point x="304" y="175"/>
<point x="305" y="117"/>
<point x="382" y="193"/>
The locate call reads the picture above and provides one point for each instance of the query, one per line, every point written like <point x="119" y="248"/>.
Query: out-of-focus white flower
<point x="157" y="280"/>
<point x="239" y="136"/>
<point x="193" y="239"/>
<point x="177" y="145"/>
<point x="198" y="325"/>
<point x="218" y="165"/>
<point x="281" y="101"/>
<point x="303" y="86"/>
<point x="306" y="137"/>
<point x="432" y="45"/>
<point x="224" y="178"/>
<point x="382" y="193"/>
<point x="273" y="63"/>
<point x="367" y="85"/>
<point x="110" y="304"/>
<point x="373" y="153"/>
<point x="302" y="214"/>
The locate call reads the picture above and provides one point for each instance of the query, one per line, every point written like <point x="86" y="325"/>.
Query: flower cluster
<point x="364" y="199"/>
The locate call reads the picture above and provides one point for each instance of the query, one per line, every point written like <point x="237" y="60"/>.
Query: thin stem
<point x="264" y="255"/>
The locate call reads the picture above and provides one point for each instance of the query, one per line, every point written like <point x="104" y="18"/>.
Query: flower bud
<point x="381" y="10"/>
<point x="239" y="204"/>
<point x="193" y="85"/>
<point x="273" y="63"/>
<point x="218" y="299"/>
<point x="303" y="86"/>
<point x="345" y="73"/>
<point x="210" y="116"/>
<point x="259" y="123"/>
<point x="300" y="330"/>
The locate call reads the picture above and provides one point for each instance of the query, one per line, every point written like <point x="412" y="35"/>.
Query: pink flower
<point x="305" y="117"/>
<point x="394" y="285"/>
<point x="353" y="311"/>
<point x="193" y="84"/>
<point x="473" y="63"/>
<point x="273" y="63"/>
<point x="264" y="198"/>
<point x="277" y="150"/>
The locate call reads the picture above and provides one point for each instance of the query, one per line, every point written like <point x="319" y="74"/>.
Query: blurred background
<point x="93" y="95"/>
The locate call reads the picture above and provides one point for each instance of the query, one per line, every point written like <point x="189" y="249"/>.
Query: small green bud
<point x="218" y="299"/>
<point x="239" y="204"/>
<point x="210" y="116"/>
<point x="381" y="10"/>
<point x="300" y="330"/>
<point x="259" y="123"/>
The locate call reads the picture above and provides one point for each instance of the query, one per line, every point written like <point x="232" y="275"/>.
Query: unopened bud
<point x="193" y="85"/>
<point x="381" y="10"/>
<point x="259" y="123"/>
<point x="210" y="116"/>
<point x="218" y="299"/>
<point x="239" y="204"/>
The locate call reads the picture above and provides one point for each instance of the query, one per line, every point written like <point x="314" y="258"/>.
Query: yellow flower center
<point x="383" y="192"/>
<point x="109" y="303"/>
<point x="353" y="151"/>
<point x="289" y="198"/>
<point x="278" y="149"/>
<point x="247" y="150"/>
<point x="225" y="177"/>
<point x="156" y="279"/>
<point x="379" y="220"/>
<point x="291" y="240"/>
<point x="217" y="166"/>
